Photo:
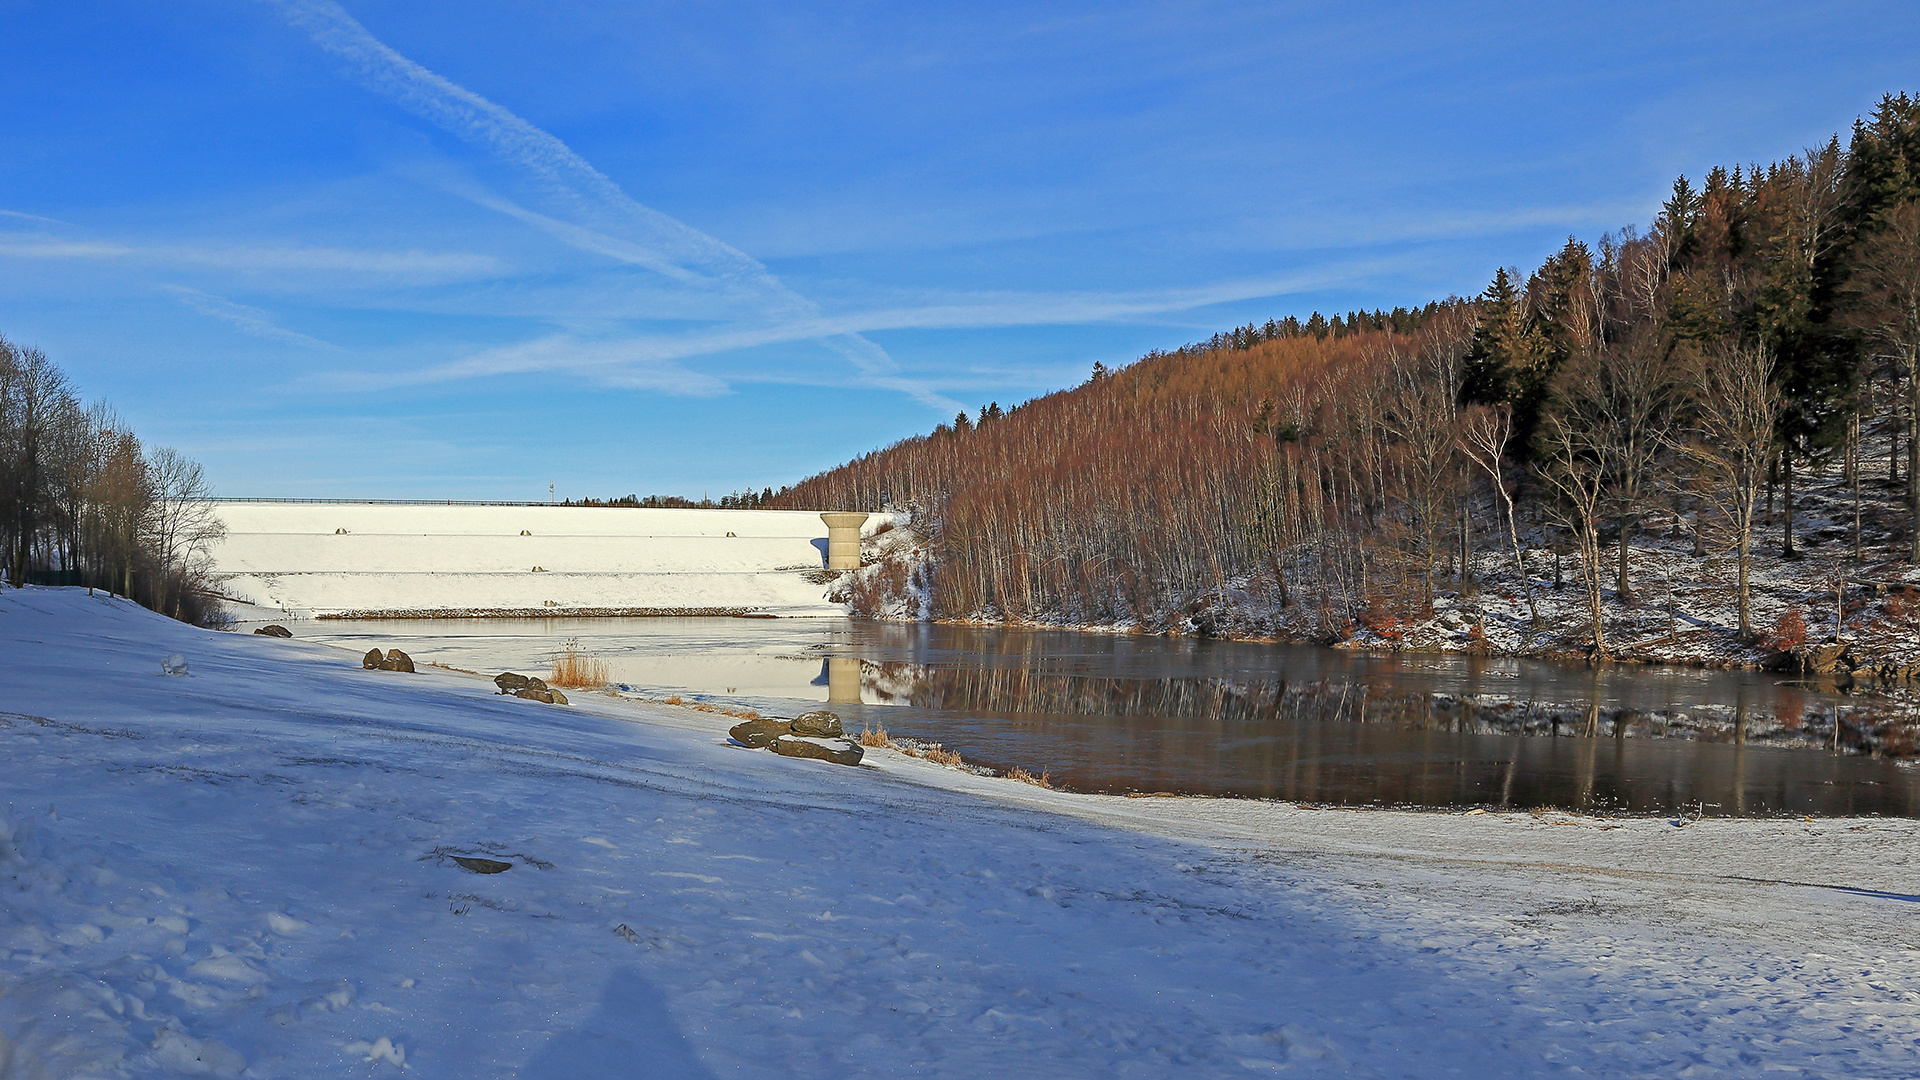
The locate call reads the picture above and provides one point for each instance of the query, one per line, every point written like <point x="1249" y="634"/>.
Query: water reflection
<point x="1112" y="713"/>
<point x="1344" y="742"/>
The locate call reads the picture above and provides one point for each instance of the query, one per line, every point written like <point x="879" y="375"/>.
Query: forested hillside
<point x="82" y="502"/>
<point x="1717" y="386"/>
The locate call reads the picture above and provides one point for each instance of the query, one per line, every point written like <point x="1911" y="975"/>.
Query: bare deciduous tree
<point x="1484" y="434"/>
<point x="181" y="519"/>
<point x="1738" y="409"/>
<point x="1421" y="413"/>
<point x="1574" y="468"/>
<point x="1886" y="288"/>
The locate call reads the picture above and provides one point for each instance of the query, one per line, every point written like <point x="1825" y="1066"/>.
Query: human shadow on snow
<point x="630" y="1035"/>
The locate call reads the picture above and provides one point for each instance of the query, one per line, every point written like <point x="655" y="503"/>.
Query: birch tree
<point x="1738" y="407"/>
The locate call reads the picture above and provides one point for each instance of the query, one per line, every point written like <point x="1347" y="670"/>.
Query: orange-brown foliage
<point x="1790" y="630"/>
<point x="1132" y="494"/>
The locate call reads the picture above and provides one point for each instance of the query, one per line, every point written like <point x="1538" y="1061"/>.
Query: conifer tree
<point x="1506" y="364"/>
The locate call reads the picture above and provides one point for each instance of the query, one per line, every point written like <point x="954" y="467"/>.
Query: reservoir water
<point x="1113" y="713"/>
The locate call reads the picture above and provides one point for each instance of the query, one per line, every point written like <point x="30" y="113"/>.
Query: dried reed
<point x="575" y="668"/>
<point x="1045" y="779"/>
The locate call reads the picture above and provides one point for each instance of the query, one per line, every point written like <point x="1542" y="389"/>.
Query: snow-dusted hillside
<point x="247" y="871"/>
<point x="330" y="558"/>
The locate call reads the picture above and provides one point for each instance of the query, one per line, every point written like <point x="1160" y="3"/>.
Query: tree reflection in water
<point x="1331" y="741"/>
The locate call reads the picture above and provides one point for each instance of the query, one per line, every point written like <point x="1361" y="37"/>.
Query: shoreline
<point x="253" y="865"/>
<point x="405" y="614"/>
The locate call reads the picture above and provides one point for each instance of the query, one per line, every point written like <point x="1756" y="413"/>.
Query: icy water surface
<point x="1142" y="714"/>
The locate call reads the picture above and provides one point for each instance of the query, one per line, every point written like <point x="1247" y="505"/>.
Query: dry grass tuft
<point x="575" y="668"/>
<point x="942" y="756"/>
<point x="1045" y="779"/>
<point x="875" y="737"/>
<point x="701" y="706"/>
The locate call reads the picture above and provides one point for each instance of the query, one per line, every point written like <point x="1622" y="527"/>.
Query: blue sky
<point x="467" y="249"/>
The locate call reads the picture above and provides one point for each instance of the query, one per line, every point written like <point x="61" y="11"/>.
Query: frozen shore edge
<point x="283" y="799"/>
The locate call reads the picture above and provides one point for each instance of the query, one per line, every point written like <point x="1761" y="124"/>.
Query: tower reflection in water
<point x="843" y="680"/>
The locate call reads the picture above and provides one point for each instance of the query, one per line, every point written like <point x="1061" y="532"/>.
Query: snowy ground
<point x="247" y="872"/>
<point x="328" y="558"/>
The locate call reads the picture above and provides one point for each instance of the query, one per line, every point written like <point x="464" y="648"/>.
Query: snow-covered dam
<point x="368" y="558"/>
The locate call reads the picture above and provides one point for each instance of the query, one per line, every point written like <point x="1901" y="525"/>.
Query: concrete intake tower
<point x="843" y="539"/>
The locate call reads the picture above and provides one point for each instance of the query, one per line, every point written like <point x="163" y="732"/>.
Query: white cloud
<point x="248" y="320"/>
<point x="412" y="265"/>
<point x="589" y="211"/>
<point x="30" y="217"/>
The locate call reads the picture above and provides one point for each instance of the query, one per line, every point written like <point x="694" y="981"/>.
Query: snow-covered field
<point x="328" y="558"/>
<point x="247" y="871"/>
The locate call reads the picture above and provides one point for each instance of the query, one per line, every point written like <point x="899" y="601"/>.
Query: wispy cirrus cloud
<point x="588" y="211"/>
<point x="412" y="265"/>
<point x="633" y="364"/>
<point x="654" y="361"/>
<point x="248" y="320"/>
<point x="31" y="217"/>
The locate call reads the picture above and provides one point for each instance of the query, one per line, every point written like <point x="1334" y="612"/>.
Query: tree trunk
<point x="1786" y="503"/>
<point x="1623" y="592"/>
<point x="1745" y="594"/>
<point x="1913" y="455"/>
<point x="1773" y="473"/>
<point x="1893" y="447"/>
<point x="1854" y="455"/>
<point x="1590" y="567"/>
<point x="1466" y="548"/>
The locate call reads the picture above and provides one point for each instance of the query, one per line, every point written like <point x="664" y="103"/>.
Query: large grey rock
<point x="531" y="694"/>
<point x="759" y="733"/>
<point x="838" y="751"/>
<point x="273" y="630"/>
<point x="508" y="682"/>
<point x="1822" y="659"/>
<point x="373" y="660"/>
<point x="554" y="695"/>
<point x="819" y="722"/>
<point x="397" y="661"/>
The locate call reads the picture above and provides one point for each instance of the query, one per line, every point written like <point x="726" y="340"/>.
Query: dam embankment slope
<point x="318" y="559"/>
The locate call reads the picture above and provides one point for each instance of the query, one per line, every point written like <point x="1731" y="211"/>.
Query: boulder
<point x="373" y="660"/>
<point x="554" y="695"/>
<point x="482" y="866"/>
<point x="508" y="682"/>
<point x="531" y="694"/>
<point x="536" y="683"/>
<point x="1823" y="659"/>
<point x="819" y="723"/>
<point x="759" y="733"/>
<point x="838" y="751"/>
<point x="274" y="630"/>
<point x="397" y="661"/>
